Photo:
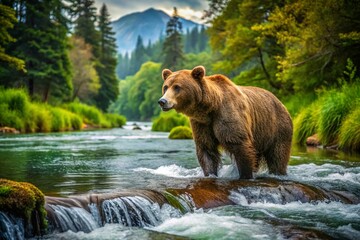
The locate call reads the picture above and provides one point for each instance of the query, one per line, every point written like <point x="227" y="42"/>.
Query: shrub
<point x="14" y="107"/>
<point x="181" y="132"/>
<point x="349" y="136"/>
<point x="90" y="115"/>
<point x="116" y="120"/>
<point x="10" y="118"/>
<point x="297" y="102"/>
<point x="39" y="118"/>
<point x="168" y="120"/>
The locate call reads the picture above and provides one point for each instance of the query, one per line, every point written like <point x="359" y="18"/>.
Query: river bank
<point x="19" y="114"/>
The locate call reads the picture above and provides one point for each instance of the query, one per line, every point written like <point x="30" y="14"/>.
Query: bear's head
<point x="182" y="90"/>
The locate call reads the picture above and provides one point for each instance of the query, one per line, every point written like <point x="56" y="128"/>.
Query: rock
<point x="8" y="130"/>
<point x="313" y="141"/>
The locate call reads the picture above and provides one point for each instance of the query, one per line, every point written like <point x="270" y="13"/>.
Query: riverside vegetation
<point x="17" y="111"/>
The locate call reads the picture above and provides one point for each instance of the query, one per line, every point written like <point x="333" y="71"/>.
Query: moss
<point x="24" y="200"/>
<point x="180" y="132"/>
<point x="174" y="201"/>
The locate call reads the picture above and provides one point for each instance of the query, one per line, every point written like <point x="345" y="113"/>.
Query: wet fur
<point x="250" y="123"/>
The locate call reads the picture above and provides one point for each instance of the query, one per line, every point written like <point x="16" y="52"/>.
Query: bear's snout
<point x="162" y="102"/>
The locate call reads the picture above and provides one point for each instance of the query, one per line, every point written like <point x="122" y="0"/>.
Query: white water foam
<point x="176" y="171"/>
<point x="212" y="226"/>
<point x="329" y="216"/>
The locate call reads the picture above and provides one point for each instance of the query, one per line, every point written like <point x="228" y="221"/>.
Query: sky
<point x="189" y="9"/>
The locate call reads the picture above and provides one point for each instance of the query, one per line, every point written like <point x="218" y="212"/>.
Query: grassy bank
<point x="17" y="111"/>
<point x="334" y="116"/>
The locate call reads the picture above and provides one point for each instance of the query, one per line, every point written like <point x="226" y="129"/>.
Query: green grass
<point x="349" y="134"/>
<point x="335" y="106"/>
<point x="94" y="117"/>
<point x="39" y="118"/>
<point x="115" y="120"/>
<point x="306" y="123"/>
<point x="168" y="120"/>
<point x="181" y="132"/>
<point x="17" y="111"/>
<point x="297" y="102"/>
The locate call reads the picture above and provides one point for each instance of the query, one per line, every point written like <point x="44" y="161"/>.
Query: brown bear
<point x="249" y="123"/>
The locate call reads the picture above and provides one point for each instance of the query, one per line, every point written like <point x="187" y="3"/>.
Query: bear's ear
<point x="166" y="73"/>
<point x="198" y="72"/>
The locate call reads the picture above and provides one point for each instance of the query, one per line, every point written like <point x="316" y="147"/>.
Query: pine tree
<point x="7" y="20"/>
<point x="173" y="48"/>
<point x="43" y="44"/>
<point x="138" y="56"/>
<point x="107" y="58"/>
<point x="83" y="15"/>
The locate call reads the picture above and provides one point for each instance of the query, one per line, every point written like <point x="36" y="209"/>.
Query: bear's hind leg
<point x="277" y="158"/>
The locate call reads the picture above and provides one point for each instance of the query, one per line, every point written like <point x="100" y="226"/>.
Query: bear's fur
<point x="250" y="123"/>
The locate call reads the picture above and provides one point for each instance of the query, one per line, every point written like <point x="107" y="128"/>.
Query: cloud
<point x="189" y="9"/>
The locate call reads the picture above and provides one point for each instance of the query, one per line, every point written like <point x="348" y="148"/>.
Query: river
<point x="71" y="163"/>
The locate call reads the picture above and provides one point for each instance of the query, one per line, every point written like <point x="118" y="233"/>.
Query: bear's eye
<point x="177" y="88"/>
<point x="165" y="88"/>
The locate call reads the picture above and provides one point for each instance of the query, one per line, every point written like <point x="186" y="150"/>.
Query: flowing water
<point x="66" y="164"/>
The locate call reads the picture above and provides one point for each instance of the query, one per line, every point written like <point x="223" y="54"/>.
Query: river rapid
<point x="67" y="164"/>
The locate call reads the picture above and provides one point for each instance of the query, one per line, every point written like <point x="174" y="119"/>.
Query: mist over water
<point x="64" y="164"/>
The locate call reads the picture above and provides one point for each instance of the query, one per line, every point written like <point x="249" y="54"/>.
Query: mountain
<point x="150" y="25"/>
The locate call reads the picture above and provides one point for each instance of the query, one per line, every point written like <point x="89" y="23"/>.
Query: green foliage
<point x="295" y="103"/>
<point x="349" y="134"/>
<point x="108" y="91"/>
<point x="18" y="112"/>
<point x="14" y="107"/>
<point x="139" y="93"/>
<point x="181" y="132"/>
<point x="39" y="119"/>
<point x="336" y="105"/>
<point x="173" y="46"/>
<point x="92" y="116"/>
<point x="115" y="119"/>
<point x="168" y="120"/>
<point x="334" y="116"/>
<point x="42" y="43"/>
<point x="7" y="20"/>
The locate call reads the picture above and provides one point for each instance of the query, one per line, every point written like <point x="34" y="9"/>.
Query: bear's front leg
<point x="244" y="155"/>
<point x="207" y="151"/>
<point x="209" y="159"/>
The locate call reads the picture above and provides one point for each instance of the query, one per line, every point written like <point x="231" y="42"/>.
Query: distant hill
<point x="150" y="25"/>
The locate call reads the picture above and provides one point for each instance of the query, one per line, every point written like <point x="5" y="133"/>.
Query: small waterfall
<point x="73" y="218"/>
<point x="11" y="228"/>
<point x="130" y="211"/>
<point x="137" y="211"/>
